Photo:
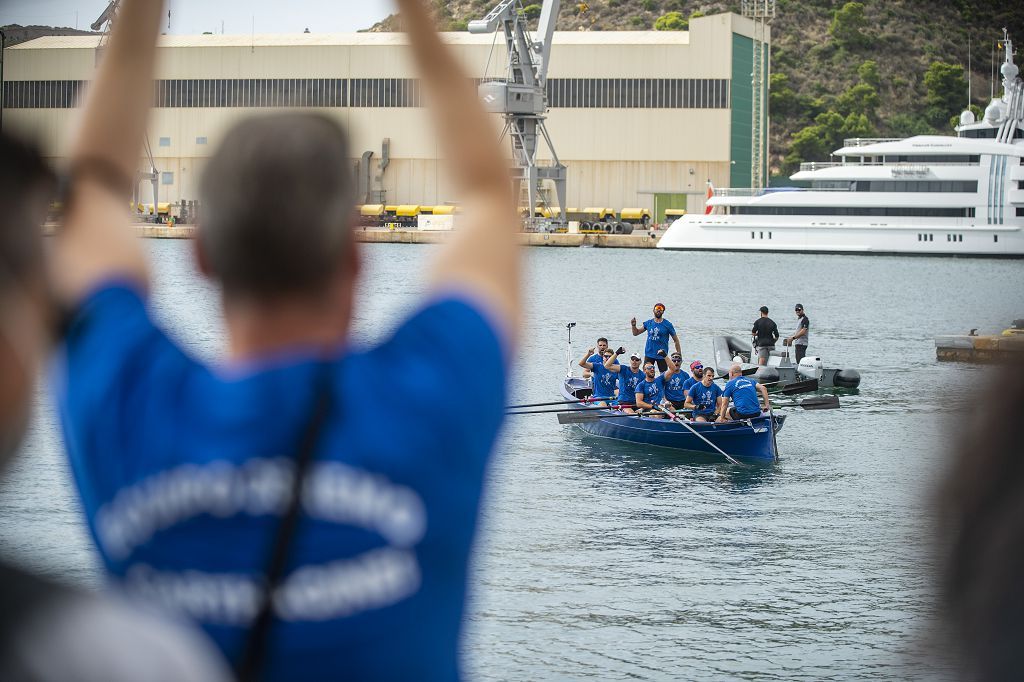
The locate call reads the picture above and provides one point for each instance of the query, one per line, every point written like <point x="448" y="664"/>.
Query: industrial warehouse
<point x="640" y="120"/>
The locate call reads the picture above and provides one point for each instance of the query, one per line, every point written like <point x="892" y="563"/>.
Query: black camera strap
<point x="250" y="662"/>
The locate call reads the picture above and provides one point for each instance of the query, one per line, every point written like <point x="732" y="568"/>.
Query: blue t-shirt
<point x="704" y="398"/>
<point x="603" y="380"/>
<point x="628" y="379"/>
<point x="743" y="392"/>
<point x="690" y="381"/>
<point x="597" y="359"/>
<point x="183" y="471"/>
<point x="654" y="391"/>
<point x="675" y="388"/>
<point x="658" y="334"/>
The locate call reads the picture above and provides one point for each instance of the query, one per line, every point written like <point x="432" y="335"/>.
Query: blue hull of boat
<point x="749" y="440"/>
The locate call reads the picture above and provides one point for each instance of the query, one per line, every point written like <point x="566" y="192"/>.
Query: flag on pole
<point x="711" y="193"/>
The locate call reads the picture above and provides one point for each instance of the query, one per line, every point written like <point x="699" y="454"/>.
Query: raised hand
<point x="620" y="350"/>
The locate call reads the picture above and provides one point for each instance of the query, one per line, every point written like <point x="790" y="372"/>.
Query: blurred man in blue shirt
<point x="312" y="536"/>
<point x="602" y="379"/>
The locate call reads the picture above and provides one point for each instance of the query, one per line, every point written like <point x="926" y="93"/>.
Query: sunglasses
<point x="647" y="367"/>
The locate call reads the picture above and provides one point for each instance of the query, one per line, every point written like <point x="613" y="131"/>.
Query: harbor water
<point x="604" y="560"/>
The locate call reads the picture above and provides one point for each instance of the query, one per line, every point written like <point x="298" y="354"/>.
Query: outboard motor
<point x="811" y="367"/>
<point x="847" y="378"/>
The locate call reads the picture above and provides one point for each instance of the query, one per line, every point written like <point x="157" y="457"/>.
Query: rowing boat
<point x="749" y="440"/>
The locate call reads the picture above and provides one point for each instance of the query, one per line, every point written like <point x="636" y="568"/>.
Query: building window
<point x="165" y="142"/>
<point x="167" y="178"/>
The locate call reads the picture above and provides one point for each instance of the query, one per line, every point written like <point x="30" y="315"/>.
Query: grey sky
<point x="197" y="16"/>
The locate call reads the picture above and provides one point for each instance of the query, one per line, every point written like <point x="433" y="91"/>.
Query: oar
<point x="574" y="417"/>
<point x="578" y="409"/>
<point x="557" y="402"/>
<point x="771" y="425"/>
<point x="694" y="432"/>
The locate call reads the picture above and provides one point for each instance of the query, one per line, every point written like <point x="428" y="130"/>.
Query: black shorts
<point x="662" y="363"/>
<point x="710" y="416"/>
<point x="733" y="414"/>
<point x="801" y="351"/>
<point x="678" y="404"/>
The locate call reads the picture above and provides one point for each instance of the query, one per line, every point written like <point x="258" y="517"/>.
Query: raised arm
<point x="483" y="256"/>
<point x="672" y="366"/>
<point x="583" y="362"/>
<point x="610" y="363"/>
<point x="94" y="243"/>
<point x="637" y="331"/>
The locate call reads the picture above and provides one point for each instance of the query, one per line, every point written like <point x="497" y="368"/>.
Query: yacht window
<point x="751" y="235"/>
<point x="995" y="237"/>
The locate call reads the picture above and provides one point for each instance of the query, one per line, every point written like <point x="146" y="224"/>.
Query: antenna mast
<point x="762" y="12"/>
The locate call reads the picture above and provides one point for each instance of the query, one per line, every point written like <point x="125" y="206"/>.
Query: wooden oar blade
<point x="821" y="402"/>
<point x="574" y="418"/>
<point x="796" y="388"/>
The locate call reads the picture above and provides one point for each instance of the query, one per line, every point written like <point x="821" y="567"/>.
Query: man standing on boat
<point x="650" y="391"/>
<point x="800" y="338"/>
<point x="658" y="331"/>
<point x="702" y="397"/>
<point x="603" y="380"/>
<point x="765" y="333"/>
<point x="629" y="377"/>
<point x="743" y="392"/>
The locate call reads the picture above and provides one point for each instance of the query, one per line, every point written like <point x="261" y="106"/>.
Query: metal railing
<point x="818" y="165"/>
<point x="863" y="141"/>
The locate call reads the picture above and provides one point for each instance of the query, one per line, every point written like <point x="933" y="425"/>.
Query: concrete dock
<point x="637" y="240"/>
<point x="980" y="349"/>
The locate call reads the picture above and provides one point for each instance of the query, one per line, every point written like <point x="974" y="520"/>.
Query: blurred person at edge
<point x="980" y="541"/>
<point x="312" y="533"/>
<point x="49" y="631"/>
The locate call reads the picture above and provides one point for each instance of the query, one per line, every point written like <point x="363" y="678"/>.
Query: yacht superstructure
<point x="928" y="195"/>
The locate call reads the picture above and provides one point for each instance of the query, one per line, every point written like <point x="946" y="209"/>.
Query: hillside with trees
<point x="839" y="69"/>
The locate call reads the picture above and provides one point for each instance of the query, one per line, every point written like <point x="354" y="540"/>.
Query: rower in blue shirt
<point x="658" y="331"/>
<point x="603" y="380"/>
<point x="696" y="372"/>
<point x="743" y="392"/>
<point x="629" y="377"/>
<point x="702" y="397"/>
<point x="650" y="391"/>
<point x="675" y="388"/>
<point x="598" y="356"/>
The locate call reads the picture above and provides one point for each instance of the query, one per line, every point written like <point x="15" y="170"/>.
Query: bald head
<point x="735" y="370"/>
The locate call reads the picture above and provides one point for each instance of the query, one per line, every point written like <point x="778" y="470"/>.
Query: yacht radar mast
<point x="521" y="98"/>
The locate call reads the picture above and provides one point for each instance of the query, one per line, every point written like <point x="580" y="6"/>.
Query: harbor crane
<point x="521" y="98"/>
<point x="104" y="22"/>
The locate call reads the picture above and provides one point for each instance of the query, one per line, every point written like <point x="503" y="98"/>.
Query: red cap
<point x="695" y="365"/>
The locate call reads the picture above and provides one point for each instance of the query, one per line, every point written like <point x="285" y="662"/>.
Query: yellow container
<point x="371" y="210"/>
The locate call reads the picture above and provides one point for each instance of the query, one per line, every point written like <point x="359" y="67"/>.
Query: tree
<point x="672" y="21"/>
<point x="946" y="91"/>
<point x="532" y="11"/>
<point x="860" y="99"/>
<point x="868" y="73"/>
<point x="848" y="24"/>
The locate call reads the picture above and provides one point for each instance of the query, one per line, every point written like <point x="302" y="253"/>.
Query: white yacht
<point x="926" y="195"/>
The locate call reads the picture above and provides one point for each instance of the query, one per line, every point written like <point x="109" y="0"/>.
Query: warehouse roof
<point x="361" y="39"/>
